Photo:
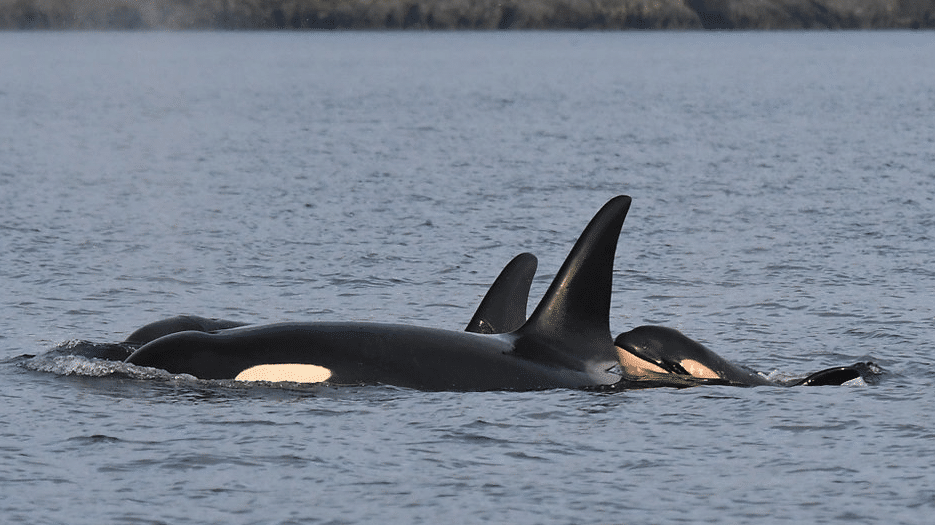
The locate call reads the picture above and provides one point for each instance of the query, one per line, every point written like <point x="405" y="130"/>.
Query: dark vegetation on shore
<point x="466" y="14"/>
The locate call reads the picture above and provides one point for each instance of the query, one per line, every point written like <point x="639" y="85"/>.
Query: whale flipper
<point x="503" y="308"/>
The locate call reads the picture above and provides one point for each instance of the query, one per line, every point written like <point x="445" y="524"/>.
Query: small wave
<point x="90" y="359"/>
<point x="369" y="282"/>
<point x="89" y="349"/>
<point x="83" y="359"/>
<point x="77" y="365"/>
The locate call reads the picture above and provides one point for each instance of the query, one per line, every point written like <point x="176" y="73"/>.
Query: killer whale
<point x="503" y="309"/>
<point x="150" y="332"/>
<point x="660" y="352"/>
<point x="659" y="356"/>
<point x="649" y="356"/>
<point x="178" y="323"/>
<point x="646" y="356"/>
<point x="565" y="343"/>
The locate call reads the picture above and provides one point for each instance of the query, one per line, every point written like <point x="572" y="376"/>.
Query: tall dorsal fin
<point x="503" y="309"/>
<point x="575" y="311"/>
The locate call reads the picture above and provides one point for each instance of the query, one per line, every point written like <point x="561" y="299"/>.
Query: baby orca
<point x="657" y="352"/>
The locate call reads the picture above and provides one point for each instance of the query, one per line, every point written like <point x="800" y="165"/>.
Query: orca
<point x="503" y="309"/>
<point x="151" y="332"/>
<point x="649" y="356"/>
<point x="178" y="323"/>
<point x="663" y="350"/>
<point x="659" y="352"/>
<point x="565" y="343"/>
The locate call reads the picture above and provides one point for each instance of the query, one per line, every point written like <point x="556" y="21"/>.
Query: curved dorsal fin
<point x="575" y="311"/>
<point x="503" y="308"/>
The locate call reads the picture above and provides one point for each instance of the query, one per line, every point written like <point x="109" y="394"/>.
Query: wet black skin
<point x="566" y="343"/>
<point x="667" y="348"/>
<point x="179" y="323"/>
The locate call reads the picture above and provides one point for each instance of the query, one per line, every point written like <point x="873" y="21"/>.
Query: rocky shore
<point x="467" y="14"/>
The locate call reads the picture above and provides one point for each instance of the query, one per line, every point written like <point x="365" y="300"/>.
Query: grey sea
<point x="783" y="214"/>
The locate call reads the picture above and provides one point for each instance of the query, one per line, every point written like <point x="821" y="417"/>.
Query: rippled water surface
<point x="783" y="214"/>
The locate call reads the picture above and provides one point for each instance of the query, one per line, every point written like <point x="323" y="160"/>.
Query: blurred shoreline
<point x="466" y="14"/>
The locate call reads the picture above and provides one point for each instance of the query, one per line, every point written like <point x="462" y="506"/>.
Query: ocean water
<point x="783" y="214"/>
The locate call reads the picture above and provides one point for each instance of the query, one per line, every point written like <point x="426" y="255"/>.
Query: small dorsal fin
<point x="503" y="309"/>
<point x="575" y="310"/>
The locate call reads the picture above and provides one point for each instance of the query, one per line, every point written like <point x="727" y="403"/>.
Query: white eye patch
<point x="634" y="365"/>
<point x="295" y="373"/>
<point x="697" y="369"/>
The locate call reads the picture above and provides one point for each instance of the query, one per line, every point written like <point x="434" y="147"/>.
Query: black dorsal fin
<point x="503" y="308"/>
<point x="575" y="311"/>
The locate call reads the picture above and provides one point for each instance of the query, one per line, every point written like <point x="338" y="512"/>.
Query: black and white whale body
<point x="659" y="352"/>
<point x="662" y="350"/>
<point x="517" y="359"/>
<point x="649" y="356"/>
<point x="502" y="310"/>
<point x="566" y="343"/>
